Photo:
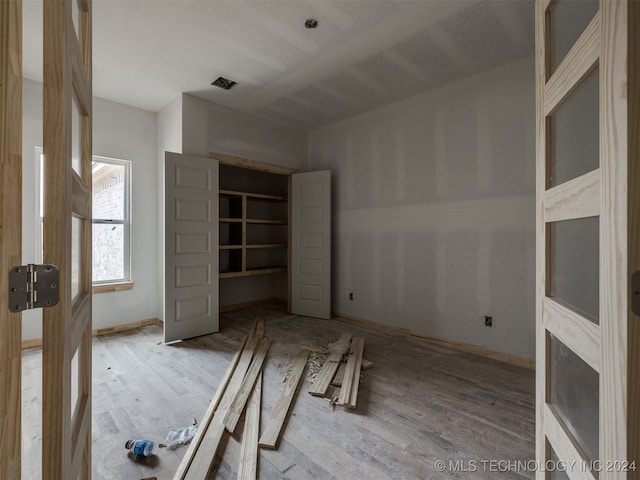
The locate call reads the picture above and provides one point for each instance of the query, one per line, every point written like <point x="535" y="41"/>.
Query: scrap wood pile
<point x="342" y="369"/>
<point x="240" y="391"/>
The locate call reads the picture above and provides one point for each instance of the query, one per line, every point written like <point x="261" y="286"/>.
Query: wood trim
<point x="208" y="416"/>
<point x="112" y="287"/>
<point x="577" y="198"/>
<point x="511" y="358"/>
<point x="562" y="442"/>
<point x="248" y="467"/>
<point x="579" y="62"/>
<point x="614" y="223"/>
<point x="576" y="332"/>
<point x="10" y="233"/>
<point x="542" y="237"/>
<point x="251" y="164"/>
<point x="273" y="427"/>
<point x="246" y="387"/>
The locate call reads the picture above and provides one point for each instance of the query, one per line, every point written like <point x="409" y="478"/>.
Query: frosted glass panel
<point x="575" y="135"/>
<point x="76" y="137"/>
<point x="76" y="256"/>
<point x="575" y="394"/>
<point x="574" y="267"/>
<point x="569" y="18"/>
<point x="558" y="468"/>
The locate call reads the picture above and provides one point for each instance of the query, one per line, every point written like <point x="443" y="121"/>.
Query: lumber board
<point x="328" y="370"/>
<point x="208" y="416"/>
<point x="351" y="376"/>
<point x="366" y="364"/>
<point x="201" y="464"/>
<point x="358" y="347"/>
<point x="249" y="380"/>
<point x="339" y="376"/>
<point x="248" y="468"/>
<point x="271" y="433"/>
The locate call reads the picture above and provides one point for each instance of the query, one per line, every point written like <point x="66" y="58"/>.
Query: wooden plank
<point x="366" y="364"/>
<point x="577" y="198"/>
<point x="249" y="380"/>
<point x="250" y="273"/>
<point x="271" y="433"/>
<point x="339" y="376"/>
<point x="352" y="372"/>
<point x="208" y="416"/>
<point x="328" y="370"/>
<point x="248" y="468"/>
<point x="251" y="164"/>
<point x="542" y="47"/>
<point x="359" y="348"/>
<point x="10" y="233"/>
<point x="203" y="459"/>
<point x="618" y="99"/>
<point x="579" y="62"/>
<point x="576" y="332"/>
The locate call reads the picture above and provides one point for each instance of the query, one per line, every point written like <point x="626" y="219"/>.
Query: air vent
<point x="223" y="83"/>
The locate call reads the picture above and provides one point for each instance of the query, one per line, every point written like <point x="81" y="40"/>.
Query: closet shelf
<point x="252" y="195"/>
<point x="253" y="271"/>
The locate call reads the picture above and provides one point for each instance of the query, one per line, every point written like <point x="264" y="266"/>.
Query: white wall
<point x="434" y="210"/>
<point x="119" y="131"/>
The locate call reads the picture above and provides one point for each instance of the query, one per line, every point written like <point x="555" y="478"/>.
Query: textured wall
<point x="434" y="210"/>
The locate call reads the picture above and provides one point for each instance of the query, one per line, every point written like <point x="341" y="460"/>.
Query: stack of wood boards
<point x="241" y="387"/>
<point x="348" y="374"/>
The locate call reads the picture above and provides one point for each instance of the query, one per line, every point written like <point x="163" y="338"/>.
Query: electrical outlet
<point x="488" y="321"/>
<point x="351" y="296"/>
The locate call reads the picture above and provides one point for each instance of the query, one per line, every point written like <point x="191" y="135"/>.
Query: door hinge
<point x="33" y="286"/>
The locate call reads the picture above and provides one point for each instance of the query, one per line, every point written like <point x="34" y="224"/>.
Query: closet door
<point x="191" y="247"/>
<point x="311" y="244"/>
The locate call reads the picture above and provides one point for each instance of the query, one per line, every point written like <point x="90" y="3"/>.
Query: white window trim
<point x="126" y="222"/>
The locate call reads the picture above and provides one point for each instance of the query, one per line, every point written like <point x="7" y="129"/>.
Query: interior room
<point x="420" y="119"/>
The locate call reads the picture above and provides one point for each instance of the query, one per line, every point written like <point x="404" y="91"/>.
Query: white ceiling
<point x="364" y="53"/>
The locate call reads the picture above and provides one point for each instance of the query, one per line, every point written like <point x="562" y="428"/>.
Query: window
<point x="111" y="226"/>
<point x="111" y="220"/>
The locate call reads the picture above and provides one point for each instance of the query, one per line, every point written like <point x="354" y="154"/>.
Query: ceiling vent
<point x="223" y="83"/>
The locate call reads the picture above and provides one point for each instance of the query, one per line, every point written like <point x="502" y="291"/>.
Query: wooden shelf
<point x="267" y="245"/>
<point x="229" y="247"/>
<point x="257" y="196"/>
<point x="230" y="220"/>
<point x="253" y="271"/>
<point x="266" y="222"/>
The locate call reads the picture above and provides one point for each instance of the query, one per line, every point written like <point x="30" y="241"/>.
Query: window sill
<point x="112" y="287"/>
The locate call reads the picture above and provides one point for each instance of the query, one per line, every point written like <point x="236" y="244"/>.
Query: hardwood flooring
<point x="419" y="403"/>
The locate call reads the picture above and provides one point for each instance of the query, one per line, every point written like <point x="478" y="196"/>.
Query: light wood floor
<point x="419" y="403"/>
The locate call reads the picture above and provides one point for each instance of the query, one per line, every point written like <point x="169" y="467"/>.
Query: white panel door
<point x="191" y="246"/>
<point x="311" y="244"/>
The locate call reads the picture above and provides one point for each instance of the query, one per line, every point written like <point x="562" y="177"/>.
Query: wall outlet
<point x="351" y="296"/>
<point x="488" y="321"/>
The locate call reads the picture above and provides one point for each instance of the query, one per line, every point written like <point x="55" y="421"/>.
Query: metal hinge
<point x="33" y="286"/>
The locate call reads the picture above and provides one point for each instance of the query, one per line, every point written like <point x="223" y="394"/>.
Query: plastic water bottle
<point x="140" y="447"/>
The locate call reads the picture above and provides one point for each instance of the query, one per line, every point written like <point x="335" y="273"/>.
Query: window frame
<point x="126" y="222"/>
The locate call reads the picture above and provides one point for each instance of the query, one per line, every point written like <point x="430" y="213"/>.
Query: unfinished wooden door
<point x="191" y="247"/>
<point x="311" y="244"/>
<point x="66" y="423"/>
<point x="588" y="245"/>
<point x="10" y="232"/>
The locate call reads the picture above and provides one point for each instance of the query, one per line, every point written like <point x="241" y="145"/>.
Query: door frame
<point x="612" y="43"/>
<point x="10" y="233"/>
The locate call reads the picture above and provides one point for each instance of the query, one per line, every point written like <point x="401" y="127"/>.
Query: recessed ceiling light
<point x="310" y="23"/>
<point x="223" y="83"/>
